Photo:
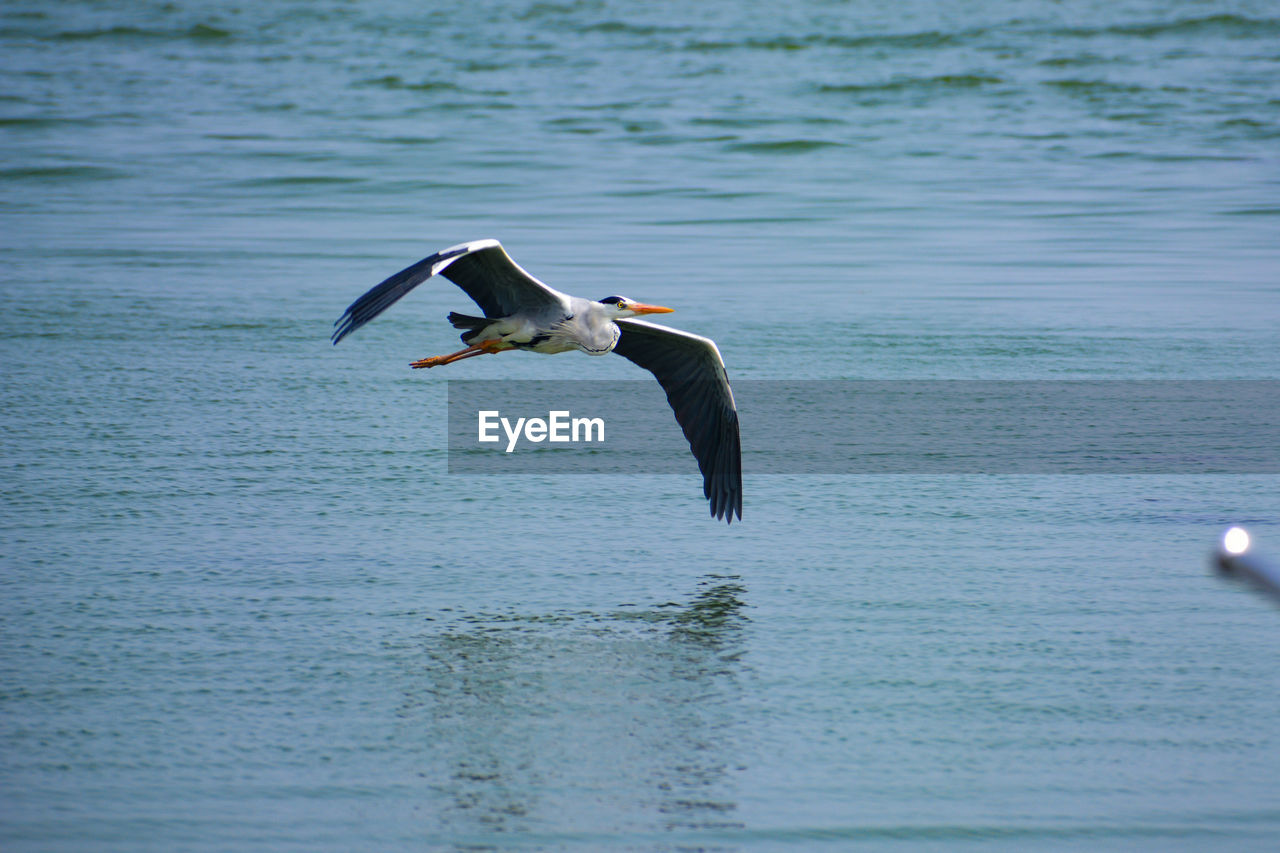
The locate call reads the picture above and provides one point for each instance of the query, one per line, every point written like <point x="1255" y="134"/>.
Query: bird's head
<point x="620" y="306"/>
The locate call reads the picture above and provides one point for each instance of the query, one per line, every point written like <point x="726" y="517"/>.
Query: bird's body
<point x="521" y="312"/>
<point x="578" y="323"/>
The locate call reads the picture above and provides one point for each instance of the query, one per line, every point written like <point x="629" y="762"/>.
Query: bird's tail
<point x="466" y="321"/>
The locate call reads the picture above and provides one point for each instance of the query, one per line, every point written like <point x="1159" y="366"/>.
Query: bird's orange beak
<point x="641" y="308"/>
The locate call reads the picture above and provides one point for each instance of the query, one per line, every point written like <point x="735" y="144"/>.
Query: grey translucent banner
<point x="878" y="427"/>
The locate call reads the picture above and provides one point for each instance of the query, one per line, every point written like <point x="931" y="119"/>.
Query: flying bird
<point x="522" y="313"/>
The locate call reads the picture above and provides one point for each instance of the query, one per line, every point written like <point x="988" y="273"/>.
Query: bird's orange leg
<point x="492" y="345"/>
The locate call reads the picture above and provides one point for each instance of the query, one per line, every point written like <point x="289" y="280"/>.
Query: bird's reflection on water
<point x="714" y="616"/>
<point x="593" y="724"/>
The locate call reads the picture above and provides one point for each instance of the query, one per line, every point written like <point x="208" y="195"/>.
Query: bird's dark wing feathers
<point x="497" y="283"/>
<point x="482" y="268"/>
<point x="690" y="370"/>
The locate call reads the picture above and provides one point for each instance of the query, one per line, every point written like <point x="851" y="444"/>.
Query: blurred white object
<point x="1235" y="540"/>
<point x="1234" y="559"/>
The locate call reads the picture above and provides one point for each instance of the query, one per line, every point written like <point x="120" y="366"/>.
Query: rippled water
<point x="245" y="606"/>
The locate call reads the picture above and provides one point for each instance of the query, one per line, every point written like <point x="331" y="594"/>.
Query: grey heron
<point x="522" y="313"/>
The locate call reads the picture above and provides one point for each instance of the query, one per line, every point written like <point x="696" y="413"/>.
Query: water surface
<point x="246" y="606"/>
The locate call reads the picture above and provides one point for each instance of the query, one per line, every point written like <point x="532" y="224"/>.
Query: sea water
<point x="245" y="606"/>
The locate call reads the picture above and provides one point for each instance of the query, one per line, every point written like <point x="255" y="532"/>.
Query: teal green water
<point x="243" y="605"/>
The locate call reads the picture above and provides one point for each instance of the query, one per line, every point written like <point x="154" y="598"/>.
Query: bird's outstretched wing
<point x="482" y="268"/>
<point x="690" y="370"/>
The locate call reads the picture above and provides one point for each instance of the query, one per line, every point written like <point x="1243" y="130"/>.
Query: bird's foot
<point x="482" y="348"/>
